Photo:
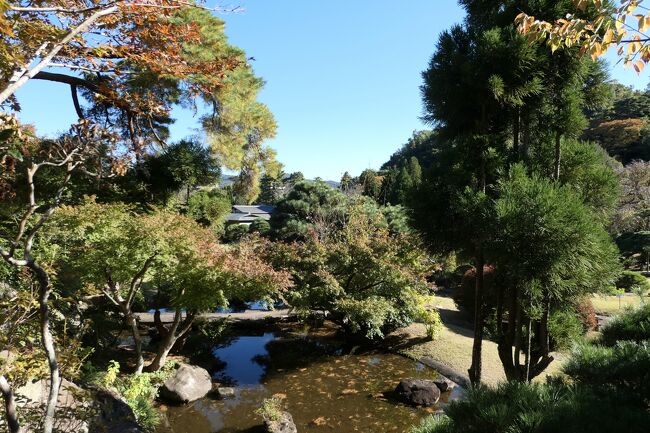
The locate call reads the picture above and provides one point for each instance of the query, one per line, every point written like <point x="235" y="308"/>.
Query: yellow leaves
<point x="644" y="22"/>
<point x="609" y="35"/>
<point x="638" y="66"/>
<point x="609" y="27"/>
<point x="596" y="50"/>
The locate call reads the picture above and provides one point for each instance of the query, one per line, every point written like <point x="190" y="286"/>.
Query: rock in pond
<point x="283" y="425"/>
<point x="444" y="384"/>
<point x="225" y="392"/>
<point x="418" y="392"/>
<point x="188" y="383"/>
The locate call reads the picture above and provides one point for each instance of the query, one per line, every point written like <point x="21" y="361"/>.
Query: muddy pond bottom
<point x="321" y="388"/>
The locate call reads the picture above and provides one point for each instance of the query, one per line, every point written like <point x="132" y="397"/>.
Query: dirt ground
<point x="453" y="345"/>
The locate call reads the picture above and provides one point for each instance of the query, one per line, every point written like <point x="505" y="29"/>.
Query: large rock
<point x="418" y="392"/>
<point x="36" y="393"/>
<point x="73" y="409"/>
<point x="188" y="383"/>
<point x="283" y="425"/>
<point x="114" y="414"/>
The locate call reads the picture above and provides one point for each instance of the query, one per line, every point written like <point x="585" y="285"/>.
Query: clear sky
<point x="342" y="78"/>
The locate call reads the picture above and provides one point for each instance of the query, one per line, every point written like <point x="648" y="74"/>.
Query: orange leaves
<point x="609" y="28"/>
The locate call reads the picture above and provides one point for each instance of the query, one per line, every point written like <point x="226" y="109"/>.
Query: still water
<point x="323" y="389"/>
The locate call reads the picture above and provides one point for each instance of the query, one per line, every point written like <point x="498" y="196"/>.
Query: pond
<point x="322" y="388"/>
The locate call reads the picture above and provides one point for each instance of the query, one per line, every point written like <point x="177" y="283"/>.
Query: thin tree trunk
<point x="476" y="368"/>
<point x="529" y="336"/>
<point x="507" y="342"/>
<point x="48" y="346"/>
<point x="525" y="139"/>
<point x="133" y="323"/>
<point x="10" y="406"/>
<point x="516" y="353"/>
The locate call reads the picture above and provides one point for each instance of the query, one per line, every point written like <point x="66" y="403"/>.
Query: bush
<point x="516" y="407"/>
<point x="623" y="369"/>
<point x="260" y="226"/>
<point x="464" y="294"/>
<point x="629" y="279"/>
<point x="565" y="329"/>
<point x="235" y="232"/>
<point x="633" y="325"/>
<point x="139" y="390"/>
<point x="271" y="409"/>
<point x="587" y="314"/>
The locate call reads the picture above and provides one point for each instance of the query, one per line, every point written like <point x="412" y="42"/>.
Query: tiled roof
<point x="253" y="209"/>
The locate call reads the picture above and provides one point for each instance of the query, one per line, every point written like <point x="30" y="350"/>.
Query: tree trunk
<point x="161" y="355"/>
<point x="10" y="406"/>
<point x="133" y="323"/>
<point x="476" y="367"/>
<point x="48" y="346"/>
<point x="507" y="341"/>
<point x="170" y="337"/>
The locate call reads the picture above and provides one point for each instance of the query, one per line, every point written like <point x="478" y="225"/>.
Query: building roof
<point x="249" y="213"/>
<point x="253" y="209"/>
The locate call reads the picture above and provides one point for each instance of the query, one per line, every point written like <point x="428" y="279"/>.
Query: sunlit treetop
<point x="624" y="25"/>
<point x="128" y="62"/>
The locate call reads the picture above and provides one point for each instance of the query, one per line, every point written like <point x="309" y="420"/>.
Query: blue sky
<point x="342" y="78"/>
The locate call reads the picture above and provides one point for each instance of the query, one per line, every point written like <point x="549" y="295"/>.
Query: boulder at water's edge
<point x="418" y="392"/>
<point x="283" y="425"/>
<point x="187" y="383"/>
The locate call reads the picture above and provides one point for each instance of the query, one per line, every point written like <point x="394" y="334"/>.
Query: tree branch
<point x="10" y="406"/>
<point x="45" y="60"/>
<point x="137" y="279"/>
<point x="75" y="101"/>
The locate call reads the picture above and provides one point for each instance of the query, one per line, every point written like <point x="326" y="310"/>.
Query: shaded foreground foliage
<point x="606" y="389"/>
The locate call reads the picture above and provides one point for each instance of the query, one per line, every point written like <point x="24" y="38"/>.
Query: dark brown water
<point x="324" y="391"/>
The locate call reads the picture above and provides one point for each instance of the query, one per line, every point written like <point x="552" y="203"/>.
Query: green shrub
<point x="629" y="279"/>
<point x="139" y="390"/>
<point x="235" y="232"/>
<point x="260" y="226"/>
<point x="632" y="325"/>
<point x="565" y="328"/>
<point x="271" y="409"/>
<point x="623" y="369"/>
<point x="516" y="407"/>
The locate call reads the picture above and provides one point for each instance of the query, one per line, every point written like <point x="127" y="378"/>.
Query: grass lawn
<point x="611" y="305"/>
<point x="453" y="346"/>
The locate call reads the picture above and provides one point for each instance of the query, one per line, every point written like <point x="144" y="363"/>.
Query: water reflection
<point x="241" y="358"/>
<point x="340" y="393"/>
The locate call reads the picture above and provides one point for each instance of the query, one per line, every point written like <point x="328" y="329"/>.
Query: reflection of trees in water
<point x="292" y="353"/>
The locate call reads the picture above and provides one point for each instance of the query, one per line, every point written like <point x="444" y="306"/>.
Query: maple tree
<point x="611" y="26"/>
<point x="129" y="63"/>
<point x="29" y="206"/>
<point x="116" y="251"/>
